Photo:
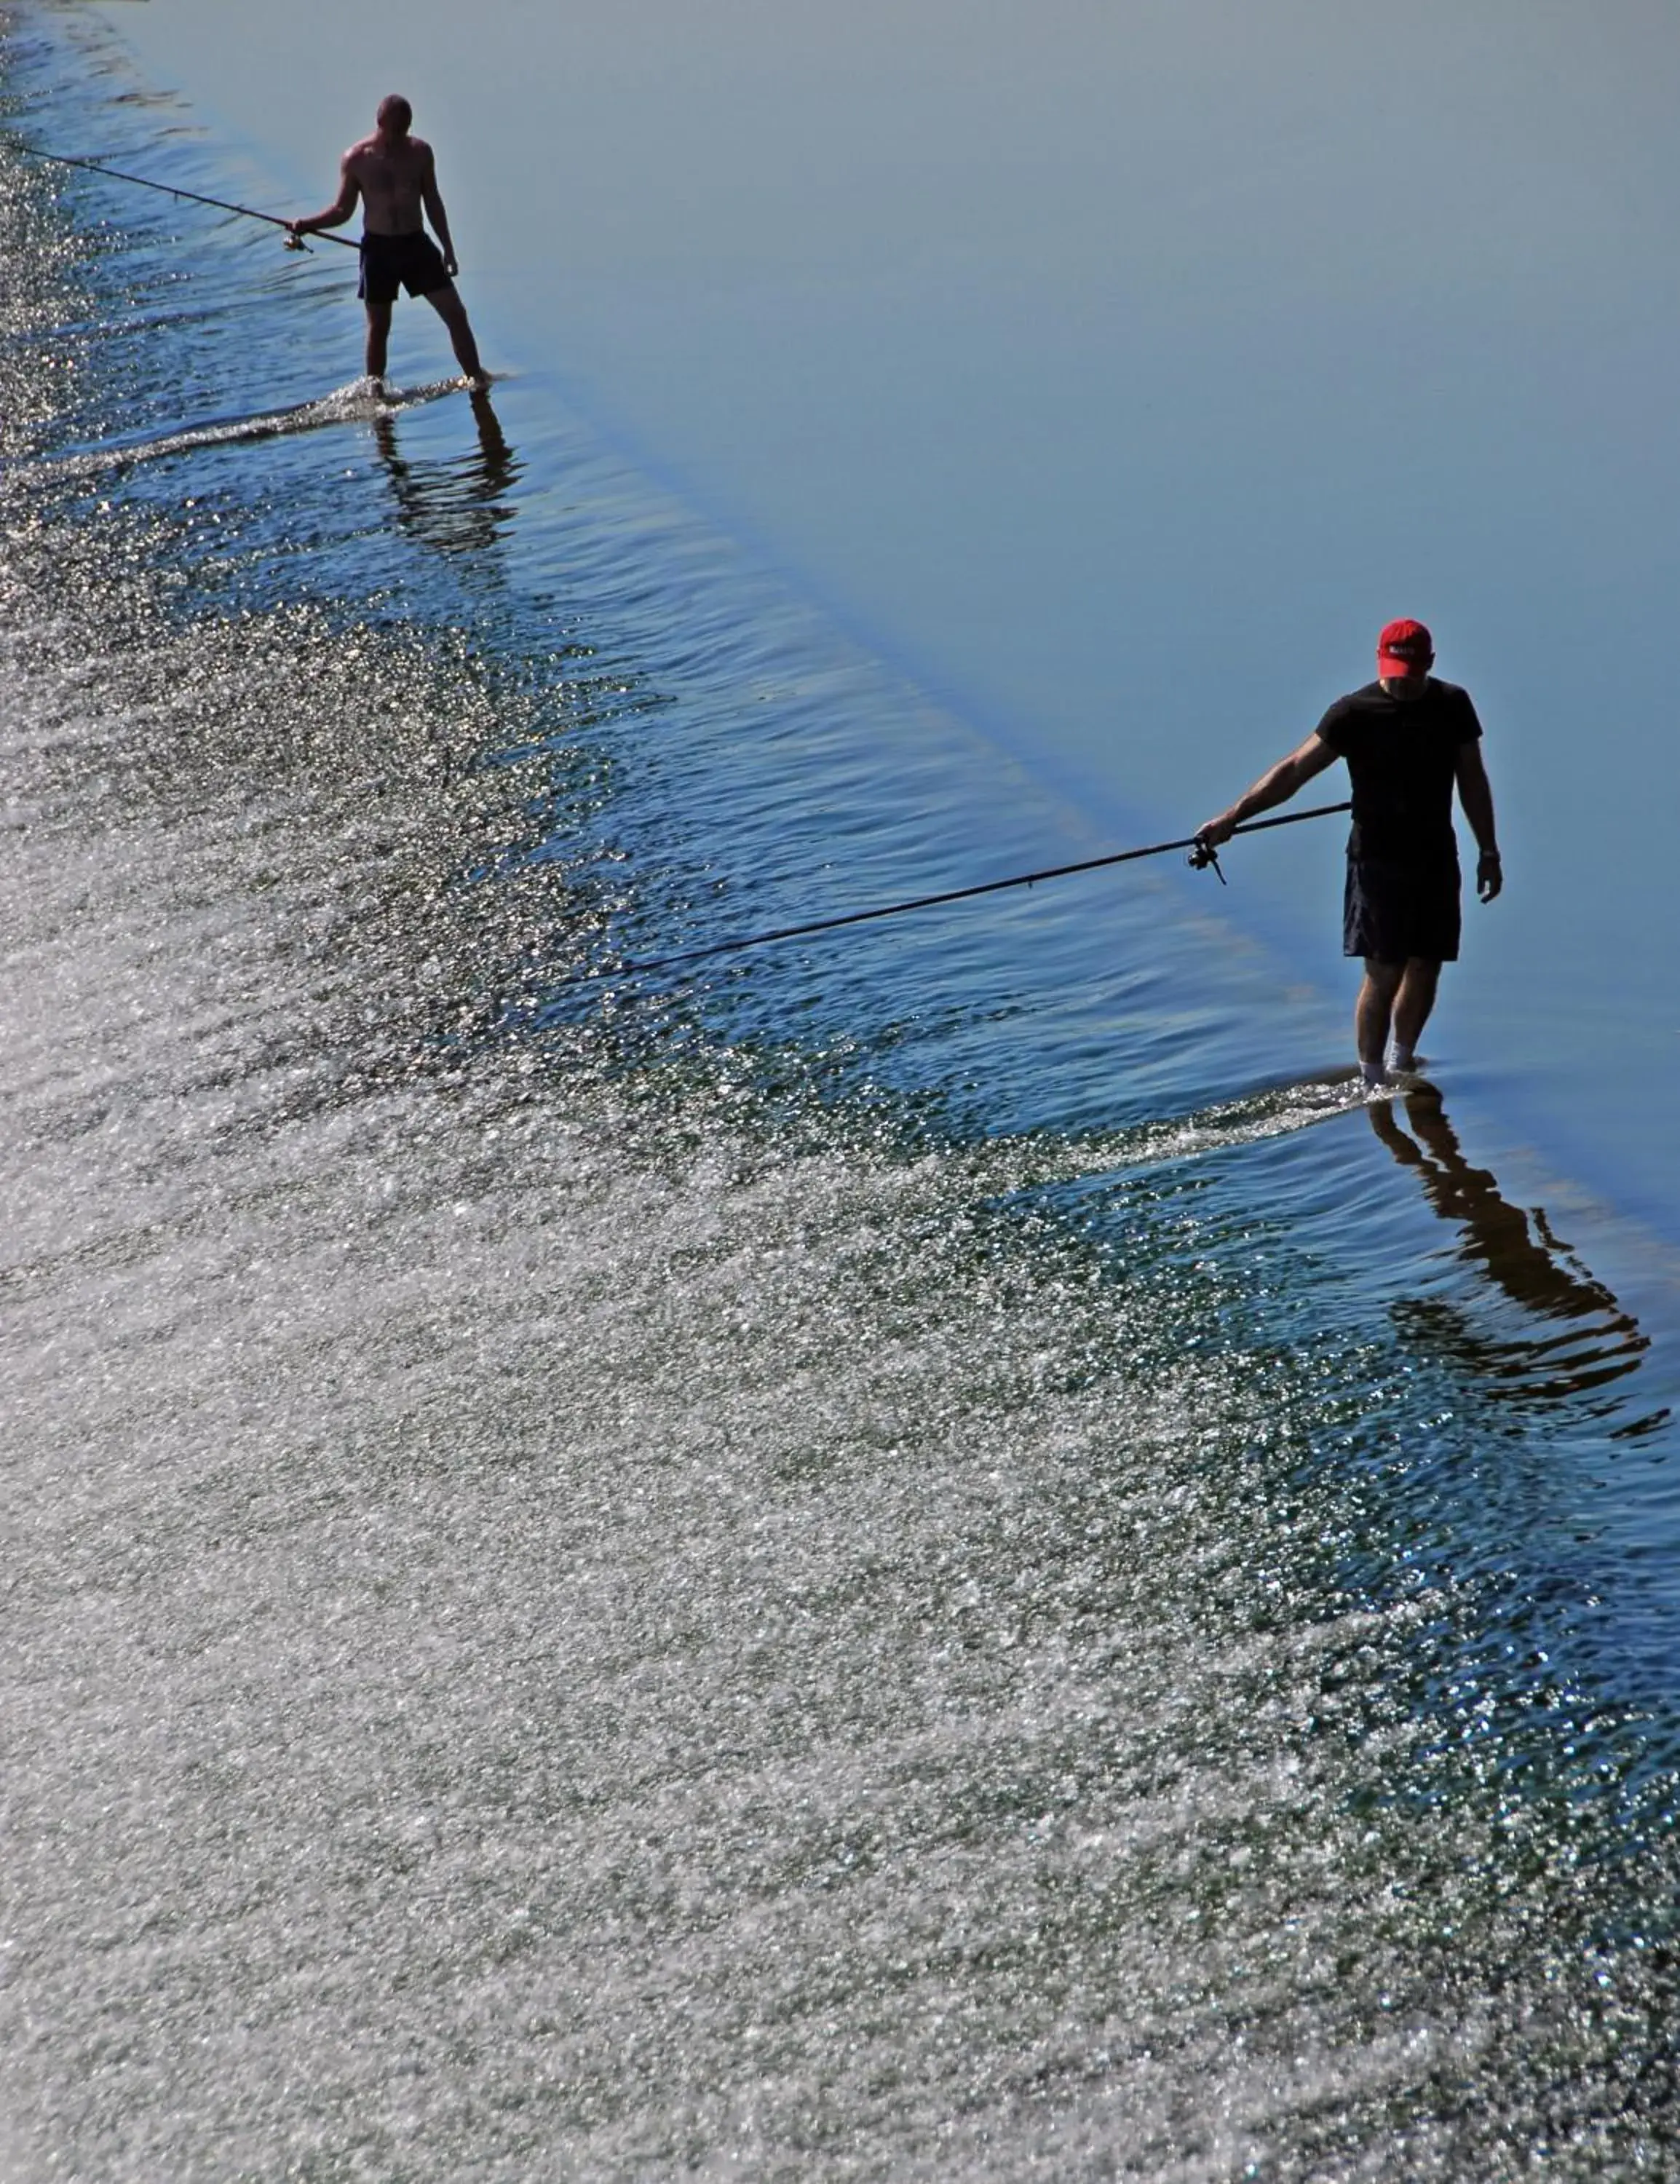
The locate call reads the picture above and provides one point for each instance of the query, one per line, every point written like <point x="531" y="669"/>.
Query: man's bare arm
<point x="438" y="218"/>
<point x="349" y="193"/>
<point x="1276" y="785"/>
<point x="1476" y="796"/>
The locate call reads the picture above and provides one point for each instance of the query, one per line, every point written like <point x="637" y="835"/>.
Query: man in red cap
<point x="1409" y="741"/>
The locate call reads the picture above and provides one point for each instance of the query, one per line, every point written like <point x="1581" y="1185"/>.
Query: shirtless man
<point x="394" y="175"/>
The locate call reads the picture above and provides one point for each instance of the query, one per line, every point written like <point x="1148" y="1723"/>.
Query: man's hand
<point x="451" y="264"/>
<point x="1218" y="831"/>
<point x="1489" y="877"/>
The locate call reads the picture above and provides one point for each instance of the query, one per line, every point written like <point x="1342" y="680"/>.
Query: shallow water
<point x="1117" y="372"/>
<point x="878" y="1559"/>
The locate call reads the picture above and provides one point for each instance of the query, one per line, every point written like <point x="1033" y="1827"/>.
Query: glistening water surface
<point x="1120" y="371"/>
<point x="880" y="1560"/>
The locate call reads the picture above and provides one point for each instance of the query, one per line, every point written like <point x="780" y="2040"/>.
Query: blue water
<point x="897" y="1554"/>
<point x="1117" y="374"/>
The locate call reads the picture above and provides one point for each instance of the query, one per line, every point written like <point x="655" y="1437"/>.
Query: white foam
<point x="360" y="401"/>
<point x="490" y="1578"/>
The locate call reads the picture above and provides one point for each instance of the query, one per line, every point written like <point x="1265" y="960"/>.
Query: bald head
<point x="395" y="115"/>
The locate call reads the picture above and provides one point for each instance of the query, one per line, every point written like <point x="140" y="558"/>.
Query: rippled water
<point x="867" y="1560"/>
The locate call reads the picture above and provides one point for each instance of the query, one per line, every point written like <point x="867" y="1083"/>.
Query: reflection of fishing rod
<point x="175" y="190"/>
<point x="1202" y="855"/>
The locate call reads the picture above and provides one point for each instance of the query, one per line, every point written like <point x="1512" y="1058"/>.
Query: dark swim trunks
<point x="1392" y="910"/>
<point x="390" y="262"/>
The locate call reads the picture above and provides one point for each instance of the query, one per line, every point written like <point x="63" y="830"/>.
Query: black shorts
<point x="1391" y="912"/>
<point x="390" y="262"/>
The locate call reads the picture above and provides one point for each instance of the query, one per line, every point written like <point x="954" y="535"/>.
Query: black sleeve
<point x="1467" y="728"/>
<point x="1332" y="729"/>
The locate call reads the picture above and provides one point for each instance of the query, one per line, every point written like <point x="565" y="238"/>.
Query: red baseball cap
<point x="1404" y="649"/>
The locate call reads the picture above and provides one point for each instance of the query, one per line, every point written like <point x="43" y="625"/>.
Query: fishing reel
<point x="296" y="242"/>
<point x="1202" y="856"/>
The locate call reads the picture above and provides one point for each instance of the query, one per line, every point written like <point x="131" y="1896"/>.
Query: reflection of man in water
<point x="395" y="176"/>
<point x="1408" y="740"/>
<point x="458" y="505"/>
<point x="1526" y="1260"/>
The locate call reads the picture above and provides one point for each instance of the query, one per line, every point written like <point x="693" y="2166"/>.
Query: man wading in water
<point x="1408" y="740"/>
<point x="394" y="175"/>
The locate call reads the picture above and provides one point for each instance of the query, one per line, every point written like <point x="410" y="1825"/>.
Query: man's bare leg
<point x="447" y="305"/>
<point x="379" y="337"/>
<point x="1372" y="1013"/>
<point x="1412" y="1004"/>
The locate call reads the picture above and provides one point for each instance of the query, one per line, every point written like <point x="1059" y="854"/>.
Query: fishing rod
<point x="1202" y="855"/>
<point x="175" y="190"/>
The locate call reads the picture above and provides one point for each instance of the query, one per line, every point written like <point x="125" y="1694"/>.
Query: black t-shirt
<point x="1402" y="753"/>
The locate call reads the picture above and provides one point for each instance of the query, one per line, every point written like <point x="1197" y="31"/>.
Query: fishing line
<point x="1202" y="855"/>
<point x="175" y="190"/>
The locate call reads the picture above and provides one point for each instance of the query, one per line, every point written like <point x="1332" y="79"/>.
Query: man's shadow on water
<point x="459" y="504"/>
<point x="1599" y="1341"/>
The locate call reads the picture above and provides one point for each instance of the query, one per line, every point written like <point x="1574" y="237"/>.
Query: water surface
<point x="1119" y="372"/>
<point x="898" y="1556"/>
